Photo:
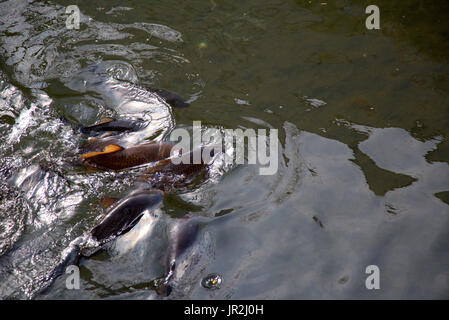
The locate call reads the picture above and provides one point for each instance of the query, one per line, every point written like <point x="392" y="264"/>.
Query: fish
<point x="112" y="125"/>
<point x="126" y="97"/>
<point x="182" y="235"/>
<point x="172" y="98"/>
<point x="167" y="175"/>
<point x="109" y="154"/>
<point x="121" y="217"/>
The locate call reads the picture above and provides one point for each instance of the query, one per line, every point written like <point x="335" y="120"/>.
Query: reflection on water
<point x="363" y="173"/>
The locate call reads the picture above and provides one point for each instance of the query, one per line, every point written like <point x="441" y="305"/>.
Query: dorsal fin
<point x="111" y="148"/>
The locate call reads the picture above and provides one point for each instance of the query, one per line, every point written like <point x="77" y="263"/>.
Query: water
<point x="363" y="120"/>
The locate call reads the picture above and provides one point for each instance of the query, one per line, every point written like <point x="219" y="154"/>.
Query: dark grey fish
<point x="127" y="98"/>
<point x="172" y="98"/>
<point x="182" y="236"/>
<point x="121" y="218"/>
<point x="111" y="125"/>
<point x="125" y="214"/>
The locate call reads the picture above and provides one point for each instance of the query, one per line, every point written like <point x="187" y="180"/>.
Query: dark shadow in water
<point x="443" y="196"/>
<point x="379" y="180"/>
<point x="440" y="154"/>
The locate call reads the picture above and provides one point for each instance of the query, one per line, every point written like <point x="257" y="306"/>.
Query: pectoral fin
<point x="111" y="148"/>
<point x="164" y="162"/>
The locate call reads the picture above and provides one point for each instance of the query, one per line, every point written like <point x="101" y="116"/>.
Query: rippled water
<point x="363" y="120"/>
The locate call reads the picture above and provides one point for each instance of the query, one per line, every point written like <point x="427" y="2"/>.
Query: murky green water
<point x="363" y="120"/>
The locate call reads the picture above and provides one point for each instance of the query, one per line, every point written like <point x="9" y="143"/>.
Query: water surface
<point x="363" y="120"/>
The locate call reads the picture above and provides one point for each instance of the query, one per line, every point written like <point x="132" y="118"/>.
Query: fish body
<point x="167" y="175"/>
<point x="126" y="97"/>
<point x="183" y="234"/>
<point x="125" y="214"/>
<point x="111" y="125"/>
<point x="109" y="154"/>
